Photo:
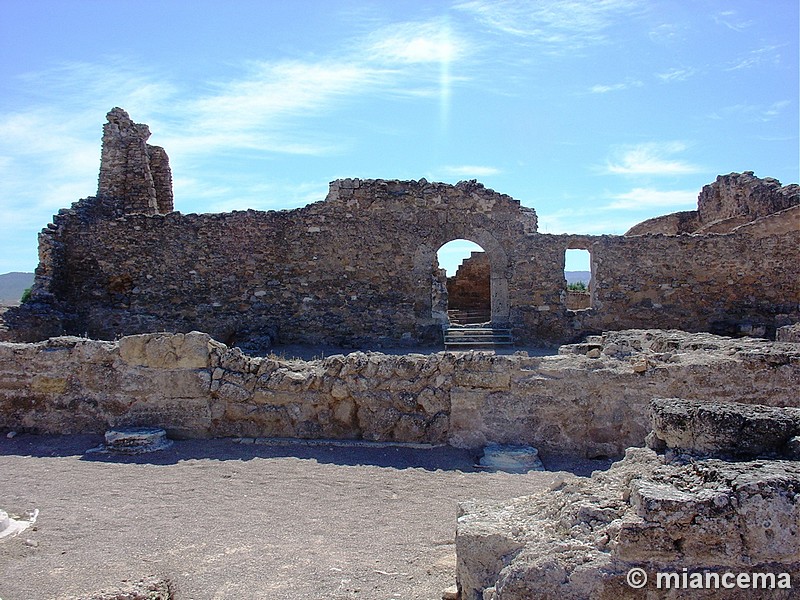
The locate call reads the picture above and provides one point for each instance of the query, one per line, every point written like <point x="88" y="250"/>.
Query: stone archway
<point x="425" y="259"/>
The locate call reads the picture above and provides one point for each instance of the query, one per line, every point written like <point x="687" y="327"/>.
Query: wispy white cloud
<point x="260" y="108"/>
<point x="615" y="87"/>
<point x="421" y="44"/>
<point x="767" y="55"/>
<point x="667" y="33"/>
<point x="614" y="212"/>
<point x="254" y="110"/>
<point x="592" y="222"/>
<point x="732" y="20"/>
<point x="266" y="106"/>
<point x="566" y="23"/>
<point x="677" y="74"/>
<point x="272" y="195"/>
<point x="469" y="171"/>
<point x="416" y="42"/>
<point x="650" y="159"/>
<point x="648" y="198"/>
<point x="753" y="113"/>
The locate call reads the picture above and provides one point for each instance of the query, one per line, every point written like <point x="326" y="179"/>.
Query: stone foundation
<point x="591" y="400"/>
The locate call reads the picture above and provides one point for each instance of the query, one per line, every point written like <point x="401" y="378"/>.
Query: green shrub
<point x="26" y="295"/>
<point x="578" y="286"/>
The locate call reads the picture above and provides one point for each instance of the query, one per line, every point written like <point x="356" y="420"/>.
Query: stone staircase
<point x="469" y="316"/>
<point x="477" y="337"/>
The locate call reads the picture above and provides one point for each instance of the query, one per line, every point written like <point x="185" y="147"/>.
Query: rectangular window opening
<point x="578" y="275"/>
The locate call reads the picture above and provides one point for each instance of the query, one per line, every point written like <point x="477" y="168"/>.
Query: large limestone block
<point x="166" y="351"/>
<point x="788" y="333"/>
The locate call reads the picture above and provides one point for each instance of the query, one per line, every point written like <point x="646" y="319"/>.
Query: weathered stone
<point x="469" y="290"/>
<point x="730" y="202"/>
<point x="138" y="440"/>
<point x="450" y="593"/>
<point x="580" y="539"/>
<point x="166" y="351"/>
<point x="788" y="333"/>
<point x="147" y="588"/>
<point x="722" y="428"/>
<point x="513" y="459"/>
<point x="132" y="172"/>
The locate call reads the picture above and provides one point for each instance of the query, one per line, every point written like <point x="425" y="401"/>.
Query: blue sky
<point x="597" y="114"/>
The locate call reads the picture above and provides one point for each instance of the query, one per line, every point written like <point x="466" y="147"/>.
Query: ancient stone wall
<point x="727" y="284"/>
<point x="592" y="400"/>
<point x="469" y="287"/>
<point x="115" y="265"/>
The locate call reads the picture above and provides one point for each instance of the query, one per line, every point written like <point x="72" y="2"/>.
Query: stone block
<point x="166" y="351"/>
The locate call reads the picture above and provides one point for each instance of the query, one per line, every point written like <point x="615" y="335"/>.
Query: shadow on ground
<point x="439" y="458"/>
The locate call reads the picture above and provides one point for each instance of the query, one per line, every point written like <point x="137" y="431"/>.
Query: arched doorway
<point x="461" y="287"/>
<point x="426" y="273"/>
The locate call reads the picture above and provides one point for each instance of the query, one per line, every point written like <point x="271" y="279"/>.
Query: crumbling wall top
<point x="389" y="195"/>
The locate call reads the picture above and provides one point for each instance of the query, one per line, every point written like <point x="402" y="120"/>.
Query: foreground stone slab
<point x="137" y="440"/>
<point x="581" y="539"/>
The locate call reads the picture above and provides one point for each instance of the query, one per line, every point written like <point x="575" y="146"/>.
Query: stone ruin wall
<point x="115" y="265"/>
<point x="590" y="400"/>
<point x="731" y="201"/>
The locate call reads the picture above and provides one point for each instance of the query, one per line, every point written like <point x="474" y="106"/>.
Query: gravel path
<point x="220" y="519"/>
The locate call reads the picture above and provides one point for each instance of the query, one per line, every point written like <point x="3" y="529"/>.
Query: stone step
<point x="477" y="336"/>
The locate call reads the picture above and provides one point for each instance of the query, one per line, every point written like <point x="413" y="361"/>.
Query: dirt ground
<point x="221" y="519"/>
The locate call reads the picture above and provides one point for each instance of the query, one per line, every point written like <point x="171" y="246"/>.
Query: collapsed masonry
<point x="124" y="263"/>
<point x="686" y="520"/>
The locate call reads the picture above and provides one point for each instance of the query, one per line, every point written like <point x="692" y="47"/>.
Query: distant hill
<point x="576" y="276"/>
<point x="12" y="285"/>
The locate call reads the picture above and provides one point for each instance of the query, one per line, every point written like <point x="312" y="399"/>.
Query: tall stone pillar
<point x="133" y="173"/>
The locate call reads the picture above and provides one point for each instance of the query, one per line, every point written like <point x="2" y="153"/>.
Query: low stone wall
<point x="591" y="400"/>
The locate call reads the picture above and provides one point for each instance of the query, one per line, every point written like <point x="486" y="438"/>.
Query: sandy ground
<point x="220" y="519"/>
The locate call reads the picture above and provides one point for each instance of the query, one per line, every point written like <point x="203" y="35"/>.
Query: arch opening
<point x="462" y="284"/>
